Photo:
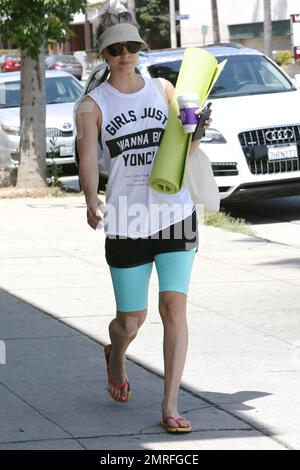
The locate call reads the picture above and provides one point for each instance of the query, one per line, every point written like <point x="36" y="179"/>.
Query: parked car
<point x="10" y="63"/>
<point x="254" y="139"/>
<point x="62" y="91"/>
<point x="65" y="63"/>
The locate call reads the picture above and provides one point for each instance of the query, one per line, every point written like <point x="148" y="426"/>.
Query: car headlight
<point x="212" y="136"/>
<point x="11" y="130"/>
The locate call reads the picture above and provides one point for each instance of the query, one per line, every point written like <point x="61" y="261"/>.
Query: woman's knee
<point x="172" y="306"/>
<point x="128" y="324"/>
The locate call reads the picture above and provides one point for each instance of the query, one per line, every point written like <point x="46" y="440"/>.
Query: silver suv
<point x="254" y="140"/>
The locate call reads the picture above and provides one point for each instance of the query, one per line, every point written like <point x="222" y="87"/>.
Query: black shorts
<point x="123" y="252"/>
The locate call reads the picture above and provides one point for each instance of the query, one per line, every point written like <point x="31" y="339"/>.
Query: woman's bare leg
<point x="122" y="330"/>
<point x="172" y="309"/>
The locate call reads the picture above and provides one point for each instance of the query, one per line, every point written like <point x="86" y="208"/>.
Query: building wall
<point x="233" y="12"/>
<point x="279" y="43"/>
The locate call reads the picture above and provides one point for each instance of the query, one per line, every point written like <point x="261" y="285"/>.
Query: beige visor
<point x="122" y="32"/>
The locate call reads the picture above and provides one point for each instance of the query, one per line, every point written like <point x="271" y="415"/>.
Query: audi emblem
<point x="67" y="125"/>
<point x="279" y="134"/>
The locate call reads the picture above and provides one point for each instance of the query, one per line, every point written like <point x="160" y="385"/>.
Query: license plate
<point x="66" y="150"/>
<point x="283" y="152"/>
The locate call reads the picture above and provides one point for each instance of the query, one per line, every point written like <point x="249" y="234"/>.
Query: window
<point x="242" y="75"/>
<point x="167" y="70"/>
<point x="62" y="90"/>
<point x="9" y="94"/>
<point x="249" y="75"/>
<point x="58" y="90"/>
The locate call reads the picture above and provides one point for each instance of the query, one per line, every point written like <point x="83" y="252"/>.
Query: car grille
<point x="255" y="145"/>
<point x="53" y="132"/>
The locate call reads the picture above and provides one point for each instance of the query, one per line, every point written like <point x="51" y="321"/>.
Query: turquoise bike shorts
<point x="131" y="260"/>
<point x="131" y="285"/>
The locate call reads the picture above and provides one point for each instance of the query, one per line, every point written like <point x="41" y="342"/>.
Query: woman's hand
<point x="207" y="122"/>
<point x="195" y="143"/>
<point x="198" y="112"/>
<point x="95" y="207"/>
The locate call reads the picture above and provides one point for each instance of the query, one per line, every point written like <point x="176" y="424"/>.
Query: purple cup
<point x="188" y="104"/>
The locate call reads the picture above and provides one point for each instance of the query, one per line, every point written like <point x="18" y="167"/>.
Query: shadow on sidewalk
<point x="283" y="262"/>
<point x="53" y="394"/>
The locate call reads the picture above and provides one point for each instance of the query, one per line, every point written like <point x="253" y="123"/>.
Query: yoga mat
<point x="198" y="73"/>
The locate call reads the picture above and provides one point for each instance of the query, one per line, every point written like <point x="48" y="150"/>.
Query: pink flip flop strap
<point x="174" y="419"/>
<point x="126" y="383"/>
<point x="120" y="389"/>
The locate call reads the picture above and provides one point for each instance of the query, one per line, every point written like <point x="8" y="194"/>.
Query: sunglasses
<point x="117" y="48"/>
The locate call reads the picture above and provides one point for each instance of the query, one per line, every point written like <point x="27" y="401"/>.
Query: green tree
<point x="30" y="25"/>
<point x="154" y="20"/>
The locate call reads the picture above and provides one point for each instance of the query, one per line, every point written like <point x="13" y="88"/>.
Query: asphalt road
<point x="284" y="209"/>
<point x="276" y="219"/>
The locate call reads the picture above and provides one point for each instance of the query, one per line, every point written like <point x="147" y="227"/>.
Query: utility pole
<point x="267" y="28"/>
<point x="215" y="21"/>
<point x="172" y="23"/>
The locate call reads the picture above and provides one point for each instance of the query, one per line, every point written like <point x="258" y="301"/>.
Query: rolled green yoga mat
<point x="198" y="73"/>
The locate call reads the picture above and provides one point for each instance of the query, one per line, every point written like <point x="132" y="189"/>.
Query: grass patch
<point x="227" y="222"/>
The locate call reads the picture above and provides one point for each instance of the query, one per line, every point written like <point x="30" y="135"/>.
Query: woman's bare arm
<point x="88" y="125"/>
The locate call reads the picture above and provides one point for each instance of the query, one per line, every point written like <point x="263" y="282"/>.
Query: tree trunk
<point x="215" y="21"/>
<point x="267" y="28"/>
<point x="131" y="7"/>
<point x="173" y="37"/>
<point x="32" y="168"/>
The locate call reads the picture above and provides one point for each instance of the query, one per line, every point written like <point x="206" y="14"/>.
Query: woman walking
<point x="127" y="115"/>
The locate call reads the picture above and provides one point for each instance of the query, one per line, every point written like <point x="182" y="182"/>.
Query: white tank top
<point x="132" y="127"/>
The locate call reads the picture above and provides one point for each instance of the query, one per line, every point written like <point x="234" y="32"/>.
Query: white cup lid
<point x="189" y="97"/>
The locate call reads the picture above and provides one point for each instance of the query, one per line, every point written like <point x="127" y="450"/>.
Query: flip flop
<point x="172" y="430"/>
<point x="107" y="351"/>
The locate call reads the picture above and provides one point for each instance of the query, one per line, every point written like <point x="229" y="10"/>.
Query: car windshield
<point x="249" y="75"/>
<point x="242" y="75"/>
<point x="62" y="90"/>
<point x="58" y="90"/>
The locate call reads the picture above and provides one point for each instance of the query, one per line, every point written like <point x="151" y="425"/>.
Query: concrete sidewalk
<point x="241" y="381"/>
